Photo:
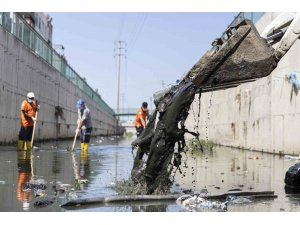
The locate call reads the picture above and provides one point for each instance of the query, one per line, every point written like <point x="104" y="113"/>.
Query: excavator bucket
<point x="239" y="55"/>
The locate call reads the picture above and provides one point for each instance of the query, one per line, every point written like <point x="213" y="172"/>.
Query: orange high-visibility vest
<point x="140" y="114"/>
<point x="30" y="109"/>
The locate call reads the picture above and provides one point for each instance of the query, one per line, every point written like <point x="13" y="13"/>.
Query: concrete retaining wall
<point x="263" y="115"/>
<point x="22" y="71"/>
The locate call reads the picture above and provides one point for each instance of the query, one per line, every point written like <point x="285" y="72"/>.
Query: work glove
<point x="37" y="105"/>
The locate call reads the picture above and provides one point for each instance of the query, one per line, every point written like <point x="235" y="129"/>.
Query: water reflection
<point x="213" y="172"/>
<point x="82" y="171"/>
<point x="150" y="207"/>
<point x="291" y="190"/>
<point x="24" y="176"/>
<point x="84" y="166"/>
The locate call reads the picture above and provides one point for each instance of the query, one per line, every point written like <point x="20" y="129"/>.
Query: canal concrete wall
<point x="21" y="71"/>
<point x="263" y="115"/>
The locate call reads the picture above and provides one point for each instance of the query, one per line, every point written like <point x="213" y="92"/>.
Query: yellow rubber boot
<point x="20" y="145"/>
<point x="81" y="145"/>
<point x="27" y="145"/>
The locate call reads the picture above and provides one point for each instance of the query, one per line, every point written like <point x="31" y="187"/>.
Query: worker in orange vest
<point x="29" y="108"/>
<point x="141" y="118"/>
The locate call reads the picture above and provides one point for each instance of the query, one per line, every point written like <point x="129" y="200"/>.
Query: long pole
<point x="31" y="164"/>
<point x="76" y="134"/>
<point x="34" y="125"/>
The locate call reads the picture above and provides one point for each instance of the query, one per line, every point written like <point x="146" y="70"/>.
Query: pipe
<point x="134" y="198"/>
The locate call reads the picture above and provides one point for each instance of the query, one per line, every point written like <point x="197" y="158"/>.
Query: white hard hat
<point x="30" y="95"/>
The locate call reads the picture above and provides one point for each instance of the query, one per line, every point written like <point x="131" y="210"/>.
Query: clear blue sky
<point x="160" y="48"/>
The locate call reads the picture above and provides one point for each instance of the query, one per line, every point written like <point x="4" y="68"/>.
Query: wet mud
<point x="158" y="140"/>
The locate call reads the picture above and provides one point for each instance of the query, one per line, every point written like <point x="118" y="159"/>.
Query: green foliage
<point x="196" y="144"/>
<point x="128" y="187"/>
<point x="129" y="134"/>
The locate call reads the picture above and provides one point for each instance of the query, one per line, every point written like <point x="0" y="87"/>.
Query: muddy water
<point x="223" y="169"/>
<point x="110" y="160"/>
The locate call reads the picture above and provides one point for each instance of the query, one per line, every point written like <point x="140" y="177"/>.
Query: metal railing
<point x="253" y="16"/>
<point x="18" y="27"/>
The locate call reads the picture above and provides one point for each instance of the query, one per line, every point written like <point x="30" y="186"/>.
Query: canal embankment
<point x="29" y="64"/>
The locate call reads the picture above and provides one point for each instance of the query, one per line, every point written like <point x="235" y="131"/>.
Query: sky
<point x="160" y="48"/>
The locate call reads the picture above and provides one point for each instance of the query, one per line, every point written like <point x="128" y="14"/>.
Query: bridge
<point x="125" y="112"/>
<point x="128" y="112"/>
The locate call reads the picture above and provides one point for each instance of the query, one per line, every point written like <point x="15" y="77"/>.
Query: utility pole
<point x="120" y="50"/>
<point x="151" y="99"/>
<point x="123" y="102"/>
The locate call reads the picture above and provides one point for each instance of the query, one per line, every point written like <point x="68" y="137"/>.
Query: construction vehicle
<point x="240" y="55"/>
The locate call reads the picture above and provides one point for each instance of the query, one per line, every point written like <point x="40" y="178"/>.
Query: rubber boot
<point x="20" y="145"/>
<point x="82" y="146"/>
<point x="27" y="145"/>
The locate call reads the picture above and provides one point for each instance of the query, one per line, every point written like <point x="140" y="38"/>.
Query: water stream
<point x="110" y="160"/>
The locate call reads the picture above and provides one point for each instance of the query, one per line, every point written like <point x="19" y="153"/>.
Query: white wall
<point x="263" y="115"/>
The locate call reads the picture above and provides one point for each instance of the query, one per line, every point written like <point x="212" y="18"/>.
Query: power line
<point x="121" y="26"/>
<point x="134" y="30"/>
<point x="137" y="29"/>
<point x="140" y="30"/>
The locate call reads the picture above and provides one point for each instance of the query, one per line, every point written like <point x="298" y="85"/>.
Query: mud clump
<point x="159" y="138"/>
<point x="130" y="187"/>
<point x="202" y="145"/>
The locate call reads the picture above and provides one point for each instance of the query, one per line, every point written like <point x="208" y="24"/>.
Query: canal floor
<point x="110" y="160"/>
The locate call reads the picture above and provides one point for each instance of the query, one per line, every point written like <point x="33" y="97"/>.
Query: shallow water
<point x="110" y="160"/>
<point x="223" y="169"/>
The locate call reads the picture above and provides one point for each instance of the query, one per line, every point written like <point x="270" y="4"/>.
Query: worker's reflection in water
<point x="84" y="166"/>
<point x="149" y="208"/>
<point x="83" y="170"/>
<point x="24" y="176"/>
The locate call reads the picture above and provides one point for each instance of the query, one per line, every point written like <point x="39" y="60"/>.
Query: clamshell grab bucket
<point x="239" y="55"/>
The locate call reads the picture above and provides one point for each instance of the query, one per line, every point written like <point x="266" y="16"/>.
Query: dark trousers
<point x="85" y="135"/>
<point x="25" y="133"/>
<point x="139" y="130"/>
